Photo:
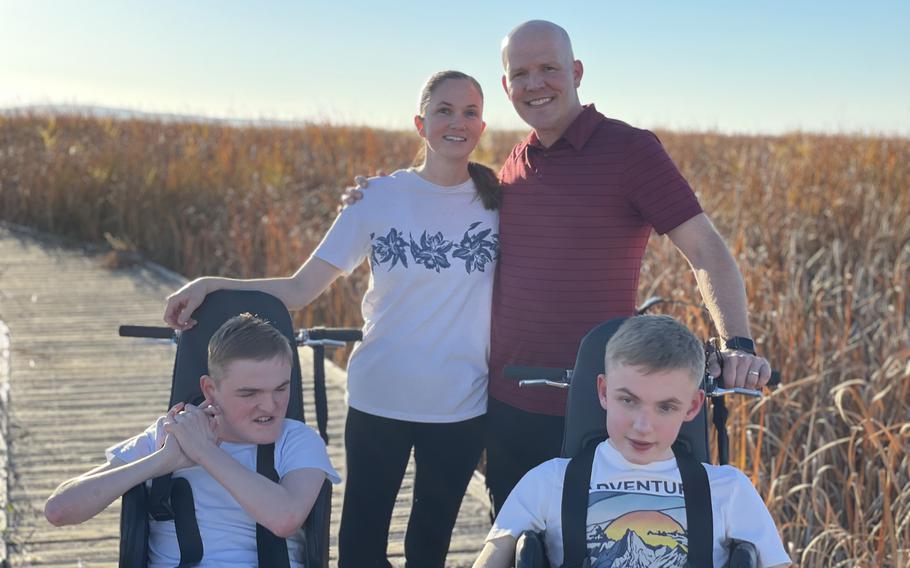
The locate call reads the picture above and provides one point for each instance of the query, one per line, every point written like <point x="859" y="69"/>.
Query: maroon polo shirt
<point x="573" y="226"/>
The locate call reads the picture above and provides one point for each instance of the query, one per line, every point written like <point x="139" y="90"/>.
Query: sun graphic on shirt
<point x="652" y="527"/>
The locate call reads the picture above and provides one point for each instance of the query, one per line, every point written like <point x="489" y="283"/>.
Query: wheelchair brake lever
<point x="542" y="382"/>
<point x="713" y="390"/>
<point x="735" y="390"/>
<point x="303" y="339"/>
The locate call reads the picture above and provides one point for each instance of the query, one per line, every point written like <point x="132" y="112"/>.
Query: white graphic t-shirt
<point x="637" y="513"/>
<point x="432" y="253"/>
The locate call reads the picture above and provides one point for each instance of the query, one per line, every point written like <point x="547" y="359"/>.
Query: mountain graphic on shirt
<point x="632" y="552"/>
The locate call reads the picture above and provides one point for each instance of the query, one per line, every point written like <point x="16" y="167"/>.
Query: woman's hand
<point x="182" y="303"/>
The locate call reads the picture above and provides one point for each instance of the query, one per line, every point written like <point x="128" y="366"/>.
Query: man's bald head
<point x="542" y="77"/>
<point x="538" y="30"/>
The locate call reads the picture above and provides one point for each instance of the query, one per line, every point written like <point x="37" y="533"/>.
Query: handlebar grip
<point x="336" y="333"/>
<point x="518" y="372"/>
<point x="151" y="332"/>
<point x="775" y="379"/>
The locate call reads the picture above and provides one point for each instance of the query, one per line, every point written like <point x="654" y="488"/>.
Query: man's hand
<point x="182" y="303"/>
<point x="741" y="369"/>
<point x="354" y="194"/>
<point x="195" y="429"/>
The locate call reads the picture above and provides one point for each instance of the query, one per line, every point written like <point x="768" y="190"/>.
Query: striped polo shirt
<point x="573" y="226"/>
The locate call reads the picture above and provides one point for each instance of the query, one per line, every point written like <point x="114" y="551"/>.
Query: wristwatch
<point x="743" y="344"/>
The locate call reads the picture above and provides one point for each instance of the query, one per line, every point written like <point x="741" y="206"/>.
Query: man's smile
<point x="539" y="101"/>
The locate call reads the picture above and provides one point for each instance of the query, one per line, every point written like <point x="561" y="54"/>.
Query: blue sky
<point x="760" y="66"/>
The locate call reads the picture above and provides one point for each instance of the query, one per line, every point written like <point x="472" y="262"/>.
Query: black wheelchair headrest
<point x="586" y="419"/>
<point x="192" y="347"/>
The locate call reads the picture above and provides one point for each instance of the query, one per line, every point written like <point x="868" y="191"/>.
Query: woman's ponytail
<point x="489" y="190"/>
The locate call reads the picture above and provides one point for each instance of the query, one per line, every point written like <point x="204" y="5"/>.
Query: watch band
<point x="743" y="344"/>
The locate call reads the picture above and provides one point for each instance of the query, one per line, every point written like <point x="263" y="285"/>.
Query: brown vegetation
<point x="819" y="224"/>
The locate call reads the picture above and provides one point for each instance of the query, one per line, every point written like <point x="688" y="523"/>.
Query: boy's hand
<point x="168" y="445"/>
<point x="168" y="419"/>
<point x="182" y="303"/>
<point x="173" y="454"/>
<point x="195" y="430"/>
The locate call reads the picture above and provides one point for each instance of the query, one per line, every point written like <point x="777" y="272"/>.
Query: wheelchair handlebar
<point x="334" y="334"/>
<point x="147" y="331"/>
<point x="330" y="337"/>
<point x="774" y="380"/>
<point x="523" y="373"/>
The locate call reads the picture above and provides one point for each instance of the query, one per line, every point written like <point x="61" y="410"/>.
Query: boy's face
<point x="646" y="411"/>
<point x="253" y="399"/>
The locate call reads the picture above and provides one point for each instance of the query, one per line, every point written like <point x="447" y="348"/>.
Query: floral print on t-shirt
<point x="433" y="251"/>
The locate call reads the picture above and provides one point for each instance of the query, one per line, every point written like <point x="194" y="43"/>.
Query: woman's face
<point x="453" y="120"/>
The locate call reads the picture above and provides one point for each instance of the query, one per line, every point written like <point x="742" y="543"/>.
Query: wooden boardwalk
<point x="75" y="388"/>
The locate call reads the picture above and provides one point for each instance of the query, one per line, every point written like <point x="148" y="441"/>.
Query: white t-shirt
<point x="432" y="253"/>
<point x="228" y="532"/>
<point x="637" y="513"/>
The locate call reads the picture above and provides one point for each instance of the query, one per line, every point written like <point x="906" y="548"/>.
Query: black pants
<point x="378" y="450"/>
<point x="516" y="442"/>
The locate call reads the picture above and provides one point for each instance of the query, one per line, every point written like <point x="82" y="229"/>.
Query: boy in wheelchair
<point x="636" y="510"/>
<point x="213" y="447"/>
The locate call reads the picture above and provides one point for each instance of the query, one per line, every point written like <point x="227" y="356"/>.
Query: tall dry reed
<point x="819" y="224"/>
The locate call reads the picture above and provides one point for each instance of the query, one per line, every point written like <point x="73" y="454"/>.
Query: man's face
<point x="541" y="81"/>
<point x="253" y="399"/>
<point x="646" y="411"/>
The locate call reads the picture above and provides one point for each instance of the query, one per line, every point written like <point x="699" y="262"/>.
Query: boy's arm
<point x="81" y="498"/>
<point x="746" y="518"/>
<point x="280" y="507"/>
<point x="497" y="553"/>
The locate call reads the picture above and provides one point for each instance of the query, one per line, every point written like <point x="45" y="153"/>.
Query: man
<point x="581" y="195"/>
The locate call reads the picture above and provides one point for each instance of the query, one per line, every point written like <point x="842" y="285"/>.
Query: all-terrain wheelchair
<point x="584" y="429"/>
<point x="165" y="500"/>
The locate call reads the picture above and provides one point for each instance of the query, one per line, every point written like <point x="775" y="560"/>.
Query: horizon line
<point x="127" y="113"/>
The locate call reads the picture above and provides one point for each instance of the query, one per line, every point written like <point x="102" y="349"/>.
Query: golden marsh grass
<point x="819" y="224"/>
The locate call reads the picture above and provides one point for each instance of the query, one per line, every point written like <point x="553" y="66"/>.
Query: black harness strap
<point x="697" y="494"/>
<point x="272" y="550"/>
<point x="188" y="539"/>
<point x="172" y="499"/>
<point x="575" y="507"/>
<point x="699" y="516"/>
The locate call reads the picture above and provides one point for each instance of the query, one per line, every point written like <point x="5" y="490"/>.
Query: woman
<point x="418" y="379"/>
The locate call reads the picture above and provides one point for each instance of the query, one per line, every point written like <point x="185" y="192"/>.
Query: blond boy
<point x="636" y="510"/>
